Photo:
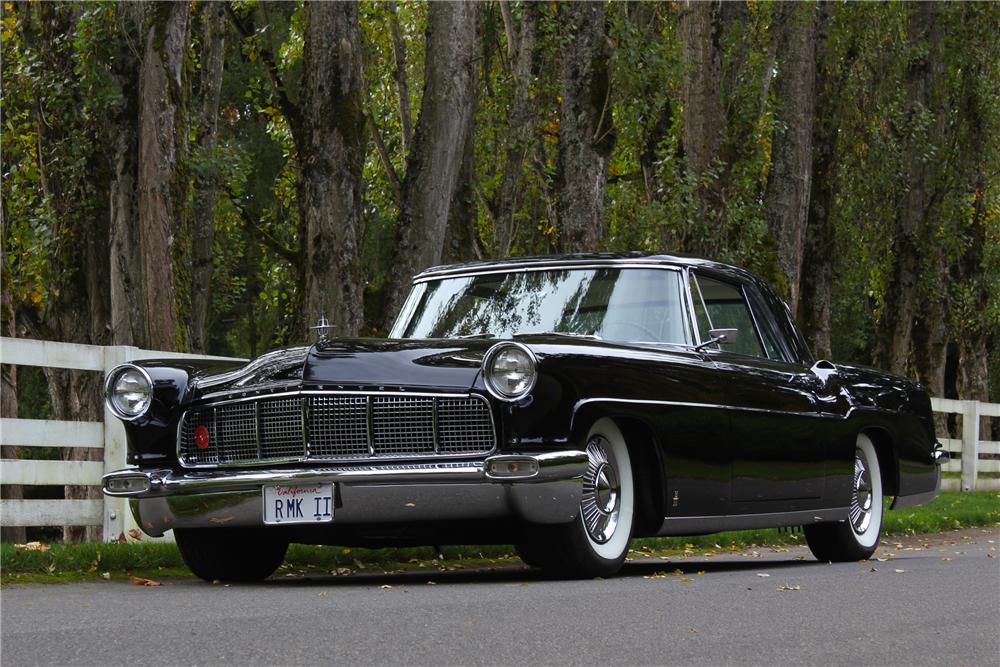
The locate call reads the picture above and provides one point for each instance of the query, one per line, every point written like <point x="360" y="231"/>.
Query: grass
<point x="76" y="562"/>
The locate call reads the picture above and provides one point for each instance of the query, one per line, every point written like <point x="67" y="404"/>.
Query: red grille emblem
<point x="201" y="437"/>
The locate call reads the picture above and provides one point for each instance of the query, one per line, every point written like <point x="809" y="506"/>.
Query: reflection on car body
<point x="561" y="404"/>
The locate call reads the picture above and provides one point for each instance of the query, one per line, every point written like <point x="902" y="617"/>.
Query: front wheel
<point x="596" y="542"/>
<point x="230" y="554"/>
<point x="858" y="536"/>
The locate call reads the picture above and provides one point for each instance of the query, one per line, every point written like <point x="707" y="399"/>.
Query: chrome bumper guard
<point x="540" y="488"/>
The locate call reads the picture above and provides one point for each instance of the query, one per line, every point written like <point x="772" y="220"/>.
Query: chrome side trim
<point x="684" y="525"/>
<point x="713" y="406"/>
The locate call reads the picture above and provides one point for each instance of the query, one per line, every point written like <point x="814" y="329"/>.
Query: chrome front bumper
<point x="549" y="493"/>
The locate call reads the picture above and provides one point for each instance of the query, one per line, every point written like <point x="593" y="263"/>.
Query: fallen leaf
<point x="385" y="586"/>
<point x="432" y="583"/>
<point x="135" y="534"/>
<point x="323" y="594"/>
<point x="945" y="558"/>
<point x="686" y="580"/>
<point x="139" y="581"/>
<point x="105" y="575"/>
<point x="900" y="571"/>
<point x="32" y="546"/>
<point x="701" y="573"/>
<point x="787" y="587"/>
<point x="763" y="574"/>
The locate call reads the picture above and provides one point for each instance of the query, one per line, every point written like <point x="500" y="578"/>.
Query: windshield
<point x="617" y="304"/>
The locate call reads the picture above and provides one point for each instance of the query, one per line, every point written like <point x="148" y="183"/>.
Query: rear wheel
<point x="596" y="542"/>
<point x="230" y="554"/>
<point x="858" y="536"/>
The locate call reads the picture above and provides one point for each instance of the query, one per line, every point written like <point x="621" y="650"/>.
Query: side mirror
<point x="724" y="336"/>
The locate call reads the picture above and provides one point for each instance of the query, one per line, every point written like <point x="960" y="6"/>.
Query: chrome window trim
<point x="610" y="264"/>
<point x="306" y="458"/>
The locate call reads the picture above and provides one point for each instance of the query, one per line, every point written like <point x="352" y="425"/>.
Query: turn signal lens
<point x="129" y="392"/>
<point x="511" y="467"/>
<point x="509" y="370"/>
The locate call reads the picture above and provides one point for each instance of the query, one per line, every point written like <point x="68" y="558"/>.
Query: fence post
<point x="970" y="444"/>
<point x="115" y="509"/>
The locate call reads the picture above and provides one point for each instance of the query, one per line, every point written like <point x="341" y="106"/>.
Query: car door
<point x="777" y="440"/>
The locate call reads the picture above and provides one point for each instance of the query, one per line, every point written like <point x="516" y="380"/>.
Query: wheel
<point x="858" y="536"/>
<point x="230" y="554"/>
<point x="596" y="542"/>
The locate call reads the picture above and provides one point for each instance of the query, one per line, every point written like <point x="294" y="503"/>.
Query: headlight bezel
<point x="487" y="370"/>
<point x="112" y="379"/>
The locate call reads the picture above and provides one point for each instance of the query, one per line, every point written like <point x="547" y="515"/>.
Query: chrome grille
<point x="402" y="425"/>
<point x="336" y="427"/>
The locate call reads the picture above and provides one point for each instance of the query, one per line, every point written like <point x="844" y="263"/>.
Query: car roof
<point x="579" y="260"/>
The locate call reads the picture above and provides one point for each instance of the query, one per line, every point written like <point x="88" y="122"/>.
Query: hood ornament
<point x="323" y="328"/>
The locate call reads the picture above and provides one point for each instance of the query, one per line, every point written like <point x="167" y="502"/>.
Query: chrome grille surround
<point x="325" y="426"/>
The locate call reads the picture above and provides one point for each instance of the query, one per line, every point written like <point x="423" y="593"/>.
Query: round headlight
<point x="129" y="392"/>
<point x="509" y="371"/>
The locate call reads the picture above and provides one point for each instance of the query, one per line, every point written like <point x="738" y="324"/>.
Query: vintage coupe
<point x="561" y="404"/>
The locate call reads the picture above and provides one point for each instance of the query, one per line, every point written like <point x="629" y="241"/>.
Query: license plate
<point x="299" y="503"/>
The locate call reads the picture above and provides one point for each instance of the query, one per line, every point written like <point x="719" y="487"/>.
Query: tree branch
<point x="383" y="153"/>
<point x="399" y="74"/>
<point x="291" y="112"/>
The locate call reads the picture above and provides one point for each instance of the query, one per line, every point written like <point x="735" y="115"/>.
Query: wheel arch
<point x="647" y="461"/>
<point x="888" y="461"/>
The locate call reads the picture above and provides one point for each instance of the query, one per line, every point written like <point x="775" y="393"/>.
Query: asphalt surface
<point x="929" y="600"/>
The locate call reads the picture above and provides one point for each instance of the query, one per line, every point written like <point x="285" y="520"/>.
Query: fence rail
<point x="967" y="451"/>
<point x="112" y="514"/>
<point x="108" y="435"/>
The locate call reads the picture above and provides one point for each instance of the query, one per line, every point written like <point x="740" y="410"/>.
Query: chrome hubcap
<point x="601" y="501"/>
<point x="861" y="496"/>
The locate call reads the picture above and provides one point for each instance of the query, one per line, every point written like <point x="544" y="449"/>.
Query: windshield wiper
<point x="476" y="335"/>
<point x="571" y="334"/>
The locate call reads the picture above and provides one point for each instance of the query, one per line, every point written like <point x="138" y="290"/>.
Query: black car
<point x="561" y="404"/>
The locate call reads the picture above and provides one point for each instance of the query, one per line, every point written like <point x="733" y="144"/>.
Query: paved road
<point x="933" y="600"/>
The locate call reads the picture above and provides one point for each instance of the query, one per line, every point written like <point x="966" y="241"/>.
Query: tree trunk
<point x="895" y="327"/>
<point x="162" y="141"/>
<point x="461" y="238"/>
<point x="79" y="263"/>
<point x="586" y="133"/>
<point x="699" y="27"/>
<point x="128" y="326"/>
<point x="790" y="177"/>
<point x="401" y="79"/>
<point x="8" y="386"/>
<point x="973" y="267"/>
<point x="207" y="177"/>
<point x="519" y="127"/>
<point x="433" y="166"/>
<point x="815" y="307"/>
<point x="332" y="156"/>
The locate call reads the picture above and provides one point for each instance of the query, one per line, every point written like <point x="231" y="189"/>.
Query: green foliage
<point x="58" y="86"/>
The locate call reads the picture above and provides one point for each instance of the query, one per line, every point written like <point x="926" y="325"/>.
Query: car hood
<point x="378" y="363"/>
<point x="358" y="364"/>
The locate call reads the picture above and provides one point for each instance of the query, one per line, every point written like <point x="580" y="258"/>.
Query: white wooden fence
<point x="967" y="450"/>
<point x="113" y="514"/>
<point x="109" y="435"/>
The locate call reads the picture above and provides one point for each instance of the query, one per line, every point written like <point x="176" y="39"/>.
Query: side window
<point x="724" y="306"/>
